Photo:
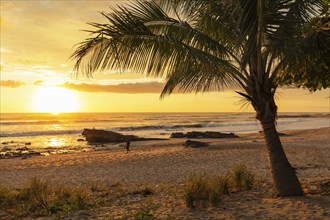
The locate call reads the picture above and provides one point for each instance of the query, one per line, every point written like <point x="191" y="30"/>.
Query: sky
<point x="37" y="39"/>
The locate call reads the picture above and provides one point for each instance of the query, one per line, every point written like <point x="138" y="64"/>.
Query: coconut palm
<point x="203" y="45"/>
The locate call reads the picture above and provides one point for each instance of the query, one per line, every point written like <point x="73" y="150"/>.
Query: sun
<point x="52" y="99"/>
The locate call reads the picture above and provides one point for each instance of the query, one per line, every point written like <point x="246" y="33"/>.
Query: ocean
<point x="60" y="132"/>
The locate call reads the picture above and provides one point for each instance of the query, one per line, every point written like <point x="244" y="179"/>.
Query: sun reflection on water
<point x="55" y="142"/>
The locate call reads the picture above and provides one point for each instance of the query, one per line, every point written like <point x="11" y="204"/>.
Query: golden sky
<point x="37" y="39"/>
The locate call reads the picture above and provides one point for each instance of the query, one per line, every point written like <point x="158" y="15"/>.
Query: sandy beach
<point x="165" y="165"/>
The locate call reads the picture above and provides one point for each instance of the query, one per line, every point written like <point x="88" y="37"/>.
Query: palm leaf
<point x="144" y="39"/>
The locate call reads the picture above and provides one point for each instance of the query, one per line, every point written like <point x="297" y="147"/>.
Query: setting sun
<point x="55" y="100"/>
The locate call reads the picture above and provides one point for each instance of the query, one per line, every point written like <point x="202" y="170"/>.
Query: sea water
<point x="48" y="131"/>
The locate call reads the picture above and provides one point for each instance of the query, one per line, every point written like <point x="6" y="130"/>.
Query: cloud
<point x="11" y="83"/>
<point x="38" y="83"/>
<point x="37" y="20"/>
<point x="129" y="88"/>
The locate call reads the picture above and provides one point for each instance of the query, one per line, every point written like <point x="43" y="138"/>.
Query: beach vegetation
<point x="35" y="194"/>
<point x="204" y="187"/>
<point x="196" y="188"/>
<point x="38" y="199"/>
<point x="141" y="214"/>
<point x="242" y="177"/>
<point x="218" y="187"/>
<point x="145" y="191"/>
<point x="7" y="197"/>
<point x="96" y="186"/>
<point x="198" y="46"/>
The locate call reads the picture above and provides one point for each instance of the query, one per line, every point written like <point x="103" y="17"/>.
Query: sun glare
<point x="55" y="100"/>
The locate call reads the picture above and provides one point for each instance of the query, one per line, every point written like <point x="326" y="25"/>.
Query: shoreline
<point x="170" y="152"/>
<point x="163" y="167"/>
<point x="62" y="144"/>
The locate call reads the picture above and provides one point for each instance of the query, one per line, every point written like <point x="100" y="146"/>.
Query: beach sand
<point x="164" y="167"/>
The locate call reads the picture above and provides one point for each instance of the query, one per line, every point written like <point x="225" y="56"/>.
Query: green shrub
<point x="217" y="187"/>
<point x="68" y="200"/>
<point x="7" y="197"/>
<point x="63" y="193"/>
<point x="37" y="198"/>
<point x="142" y="215"/>
<point x="146" y="191"/>
<point x="97" y="186"/>
<point x="249" y="180"/>
<point x="78" y="200"/>
<point x="202" y="187"/>
<point x="195" y="189"/>
<point x="138" y="215"/>
<point x="242" y="177"/>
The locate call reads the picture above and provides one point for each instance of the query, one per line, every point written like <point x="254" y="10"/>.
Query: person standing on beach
<point x="128" y="143"/>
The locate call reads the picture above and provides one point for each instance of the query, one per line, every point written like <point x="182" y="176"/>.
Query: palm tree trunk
<point x="285" y="180"/>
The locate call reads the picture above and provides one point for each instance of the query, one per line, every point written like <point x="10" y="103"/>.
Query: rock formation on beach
<point x="207" y="134"/>
<point x="103" y="136"/>
<point x="195" y="144"/>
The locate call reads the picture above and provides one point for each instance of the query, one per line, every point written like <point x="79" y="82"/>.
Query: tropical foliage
<point x="316" y="76"/>
<point x="203" y="45"/>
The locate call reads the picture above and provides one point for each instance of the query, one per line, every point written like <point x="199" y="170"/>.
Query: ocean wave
<point x="56" y="122"/>
<point x="29" y="122"/>
<point x="180" y="126"/>
<point x="157" y="127"/>
<point x="305" y="115"/>
<point x="40" y="133"/>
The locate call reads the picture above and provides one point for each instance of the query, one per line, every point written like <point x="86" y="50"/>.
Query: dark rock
<point x="22" y="148"/>
<point x="195" y="144"/>
<point x="103" y="136"/>
<point x="94" y="135"/>
<point x="28" y="143"/>
<point x="207" y="134"/>
<point x="195" y="134"/>
<point x="80" y="139"/>
<point x="4" y="143"/>
<point x="177" y="135"/>
<point x="34" y="153"/>
<point x="212" y="134"/>
<point x="11" y="155"/>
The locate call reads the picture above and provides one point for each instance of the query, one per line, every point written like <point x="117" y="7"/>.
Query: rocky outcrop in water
<point x="103" y="136"/>
<point x="23" y="152"/>
<point x="207" y="134"/>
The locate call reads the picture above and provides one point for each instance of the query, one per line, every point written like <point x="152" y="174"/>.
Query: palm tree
<point x="203" y="45"/>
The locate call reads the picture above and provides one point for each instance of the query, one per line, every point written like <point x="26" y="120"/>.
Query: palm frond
<point x="144" y="39"/>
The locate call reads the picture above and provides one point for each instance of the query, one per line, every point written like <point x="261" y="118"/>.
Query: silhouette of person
<point x="128" y="143"/>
